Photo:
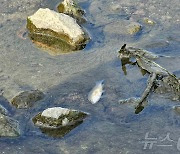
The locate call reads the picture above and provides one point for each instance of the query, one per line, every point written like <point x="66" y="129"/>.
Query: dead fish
<point x="96" y="93"/>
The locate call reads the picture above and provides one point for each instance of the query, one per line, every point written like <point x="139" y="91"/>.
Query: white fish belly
<point x="96" y="93"/>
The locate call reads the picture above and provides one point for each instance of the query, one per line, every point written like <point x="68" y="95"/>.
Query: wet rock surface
<point x="57" y="121"/>
<point x="56" y="30"/>
<point x="27" y="99"/>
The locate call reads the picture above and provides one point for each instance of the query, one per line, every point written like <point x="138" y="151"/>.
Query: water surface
<point x="67" y="79"/>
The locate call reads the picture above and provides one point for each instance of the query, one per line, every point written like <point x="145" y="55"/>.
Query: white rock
<point x="55" y="112"/>
<point x="58" y="22"/>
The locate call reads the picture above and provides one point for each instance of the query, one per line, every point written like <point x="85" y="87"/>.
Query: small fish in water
<point x="96" y="93"/>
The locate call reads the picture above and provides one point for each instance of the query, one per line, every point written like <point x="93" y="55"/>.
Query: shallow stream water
<point x="67" y="79"/>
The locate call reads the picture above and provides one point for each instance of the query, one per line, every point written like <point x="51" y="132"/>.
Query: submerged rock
<point x="133" y="28"/>
<point x="123" y="28"/>
<point x="56" y="31"/>
<point x="149" y="21"/>
<point x="8" y="127"/>
<point x="57" y="121"/>
<point x="69" y="7"/>
<point x="27" y="99"/>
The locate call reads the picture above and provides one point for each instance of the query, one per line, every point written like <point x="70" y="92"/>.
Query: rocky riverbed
<point x="65" y="80"/>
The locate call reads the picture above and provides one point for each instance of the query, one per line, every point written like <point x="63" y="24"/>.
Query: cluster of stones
<point x="55" y="121"/>
<point x="59" y="31"/>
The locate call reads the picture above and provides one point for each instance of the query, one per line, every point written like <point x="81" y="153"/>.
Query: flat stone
<point x="122" y="27"/>
<point x="27" y="99"/>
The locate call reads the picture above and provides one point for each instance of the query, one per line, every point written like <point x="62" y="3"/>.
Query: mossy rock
<point x="54" y="126"/>
<point x="27" y="99"/>
<point x="56" y="31"/>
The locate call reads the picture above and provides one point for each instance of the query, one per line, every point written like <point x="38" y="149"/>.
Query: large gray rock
<point x="56" y="31"/>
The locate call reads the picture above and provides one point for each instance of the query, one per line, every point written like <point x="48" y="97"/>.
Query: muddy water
<point x="67" y="79"/>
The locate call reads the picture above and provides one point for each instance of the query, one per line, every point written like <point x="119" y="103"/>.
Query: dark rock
<point x="27" y="99"/>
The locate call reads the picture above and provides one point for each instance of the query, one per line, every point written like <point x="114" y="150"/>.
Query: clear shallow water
<point x="67" y="79"/>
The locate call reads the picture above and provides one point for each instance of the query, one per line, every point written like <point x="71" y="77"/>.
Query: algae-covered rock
<point x="134" y="28"/>
<point x="27" y="99"/>
<point x="56" y="31"/>
<point x="69" y="7"/>
<point x="8" y="127"/>
<point x="58" y="121"/>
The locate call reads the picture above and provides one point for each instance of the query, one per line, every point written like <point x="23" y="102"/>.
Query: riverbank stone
<point x="27" y="99"/>
<point x="56" y="31"/>
<point x="57" y="121"/>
